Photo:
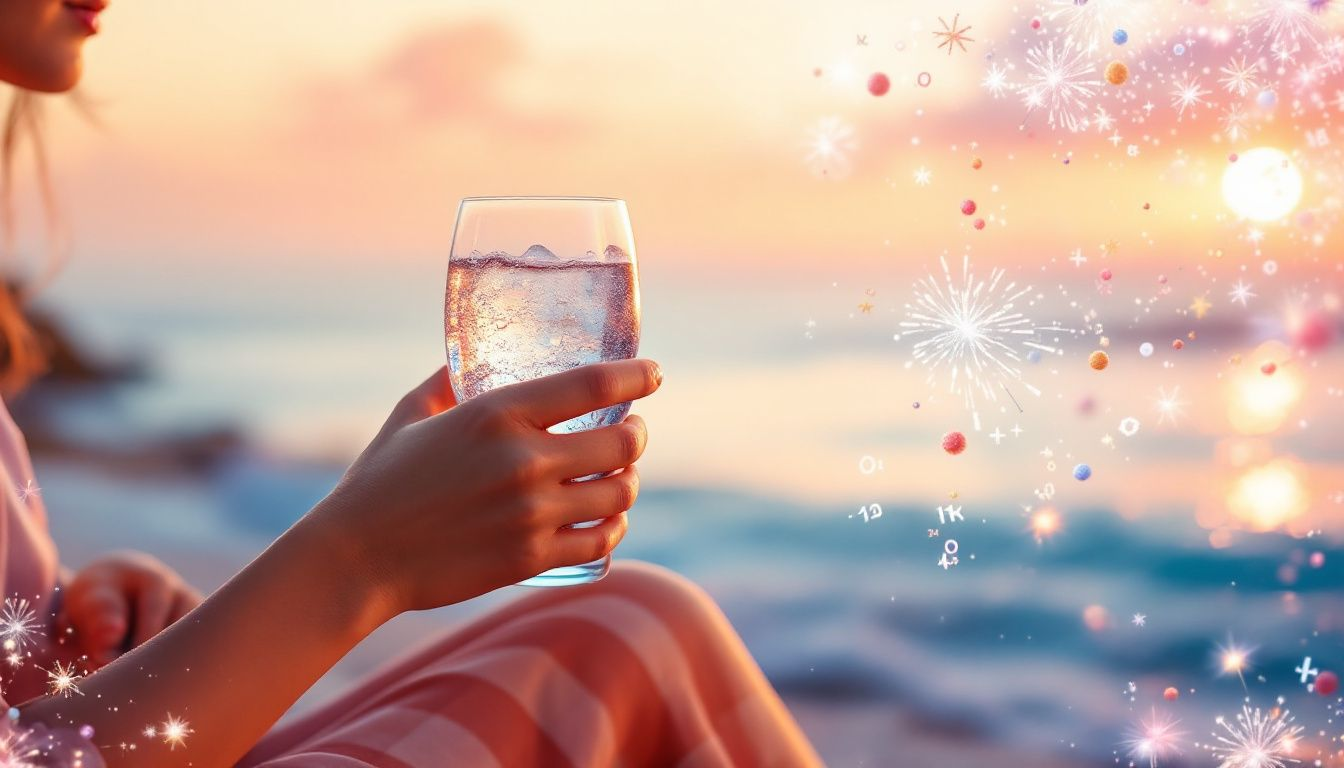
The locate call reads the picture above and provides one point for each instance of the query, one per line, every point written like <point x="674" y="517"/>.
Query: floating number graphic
<point x="949" y="557"/>
<point x="870" y="512"/>
<point x="868" y="465"/>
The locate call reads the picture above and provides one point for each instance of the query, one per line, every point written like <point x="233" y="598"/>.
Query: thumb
<point x="99" y="615"/>
<point x="432" y="397"/>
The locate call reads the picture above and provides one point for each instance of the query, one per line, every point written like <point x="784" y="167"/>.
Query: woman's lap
<point x="640" y="668"/>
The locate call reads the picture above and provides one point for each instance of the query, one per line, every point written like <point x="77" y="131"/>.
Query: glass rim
<point x="577" y="198"/>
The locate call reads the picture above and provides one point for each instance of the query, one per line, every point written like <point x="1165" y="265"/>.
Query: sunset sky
<point x="349" y="130"/>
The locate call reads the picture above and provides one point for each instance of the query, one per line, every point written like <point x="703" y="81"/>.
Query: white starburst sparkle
<point x="174" y="731"/>
<point x="996" y="80"/>
<point x="1256" y="739"/>
<point x="1170" y="406"/>
<point x="18" y="623"/>
<point x="829" y="144"/>
<point x="1153" y="739"/>
<point x="972" y="331"/>
<point x="1285" y="24"/>
<point x="28" y="490"/>
<point x="1239" y="77"/>
<point x="1062" y="82"/>
<point x="1187" y="94"/>
<point x="61" y="679"/>
<point x="1241" y="292"/>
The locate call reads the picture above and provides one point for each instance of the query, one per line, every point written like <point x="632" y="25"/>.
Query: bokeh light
<point x="1269" y="496"/>
<point x="1259" y="402"/>
<point x="1262" y="184"/>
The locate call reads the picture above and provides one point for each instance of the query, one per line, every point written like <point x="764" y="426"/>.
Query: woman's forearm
<point x="230" y="668"/>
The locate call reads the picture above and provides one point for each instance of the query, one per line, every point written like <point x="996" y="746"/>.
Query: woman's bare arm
<point x="230" y="668"/>
<point x="448" y="502"/>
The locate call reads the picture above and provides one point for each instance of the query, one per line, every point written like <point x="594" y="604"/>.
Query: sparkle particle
<point x="951" y="35"/>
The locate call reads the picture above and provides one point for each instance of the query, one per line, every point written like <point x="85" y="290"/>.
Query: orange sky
<point x="309" y="130"/>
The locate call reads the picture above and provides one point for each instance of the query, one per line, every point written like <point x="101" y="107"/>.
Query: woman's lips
<point x="86" y="13"/>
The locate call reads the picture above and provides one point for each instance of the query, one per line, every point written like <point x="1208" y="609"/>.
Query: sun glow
<point x="1262" y="184"/>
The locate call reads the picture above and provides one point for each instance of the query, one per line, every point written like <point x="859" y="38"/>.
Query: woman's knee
<point x="654" y="585"/>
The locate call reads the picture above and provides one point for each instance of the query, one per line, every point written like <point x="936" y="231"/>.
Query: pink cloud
<point x="456" y="75"/>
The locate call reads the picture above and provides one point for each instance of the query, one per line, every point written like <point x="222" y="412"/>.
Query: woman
<point x="448" y="502"/>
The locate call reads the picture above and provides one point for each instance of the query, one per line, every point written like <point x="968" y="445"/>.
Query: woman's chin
<point x="53" y="79"/>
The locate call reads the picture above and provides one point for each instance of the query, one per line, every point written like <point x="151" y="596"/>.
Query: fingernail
<point x="658" y="374"/>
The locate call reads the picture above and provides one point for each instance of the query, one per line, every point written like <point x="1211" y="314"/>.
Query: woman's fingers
<point x="574" y="546"/>
<point x="549" y="400"/>
<point x="153" y="603"/>
<point x="432" y="397"/>
<point x="596" y="499"/>
<point x="604" y="449"/>
<point x="184" y="600"/>
<point x="98" y="615"/>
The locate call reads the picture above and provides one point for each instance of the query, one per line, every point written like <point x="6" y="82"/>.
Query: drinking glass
<point x="539" y="285"/>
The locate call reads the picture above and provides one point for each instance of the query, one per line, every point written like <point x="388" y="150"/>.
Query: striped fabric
<point x="640" y="669"/>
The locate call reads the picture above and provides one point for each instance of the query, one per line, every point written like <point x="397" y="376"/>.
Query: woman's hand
<point x="452" y="501"/>
<point x="121" y="600"/>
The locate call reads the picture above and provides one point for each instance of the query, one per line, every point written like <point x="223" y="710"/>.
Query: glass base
<point x="571" y="575"/>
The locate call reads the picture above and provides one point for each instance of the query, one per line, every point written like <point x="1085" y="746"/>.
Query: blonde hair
<point x="22" y="356"/>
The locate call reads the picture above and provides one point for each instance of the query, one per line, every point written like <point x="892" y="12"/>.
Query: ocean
<point x="786" y="416"/>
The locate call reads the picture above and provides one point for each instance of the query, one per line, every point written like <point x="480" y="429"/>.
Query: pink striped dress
<point x="640" y="669"/>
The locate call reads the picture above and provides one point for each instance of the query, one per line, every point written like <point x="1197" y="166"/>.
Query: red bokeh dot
<point x="1327" y="683"/>
<point x="878" y="84"/>
<point x="968" y="206"/>
<point x="954" y="443"/>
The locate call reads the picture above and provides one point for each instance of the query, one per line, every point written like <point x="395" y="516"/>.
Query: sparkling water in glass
<point x="539" y="285"/>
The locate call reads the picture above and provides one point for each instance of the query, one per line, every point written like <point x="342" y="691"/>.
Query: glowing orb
<point x="1096" y="618"/>
<point x="1262" y="185"/>
<point x="954" y="443"/>
<point x="1045" y="523"/>
<point x="1117" y="73"/>
<point x="1327" y="683"/>
<point x="878" y="84"/>
<point x="1260" y="400"/>
<point x="1269" y="496"/>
